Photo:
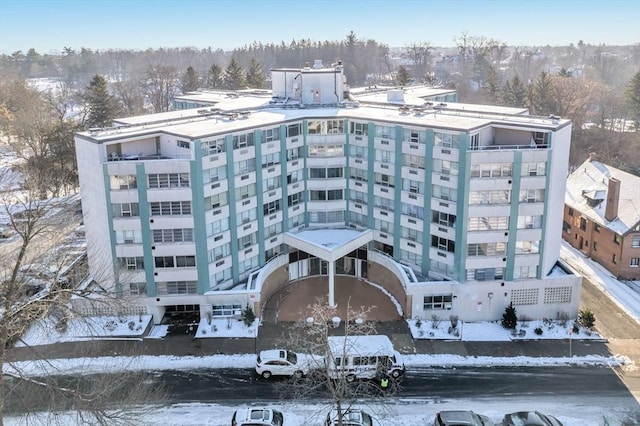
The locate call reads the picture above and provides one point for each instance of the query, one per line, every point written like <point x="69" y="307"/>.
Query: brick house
<point x="602" y="217"/>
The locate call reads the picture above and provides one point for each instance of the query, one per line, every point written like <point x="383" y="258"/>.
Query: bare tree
<point x="160" y="85"/>
<point x="29" y="297"/>
<point x="312" y="337"/>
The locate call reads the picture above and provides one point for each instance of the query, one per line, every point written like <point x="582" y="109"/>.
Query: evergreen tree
<point x="491" y="86"/>
<point x="215" y="78"/>
<point x="586" y="318"/>
<point x="403" y="78"/>
<point x="632" y="98"/>
<point x="102" y="106"/>
<point x="509" y="318"/>
<point x="190" y="81"/>
<point x="255" y="75"/>
<point x="515" y="93"/>
<point x="234" y="77"/>
<point x="540" y="95"/>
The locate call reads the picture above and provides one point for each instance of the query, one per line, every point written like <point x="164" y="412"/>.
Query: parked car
<point x="461" y="418"/>
<point x="530" y="418"/>
<point x="350" y="417"/>
<point x="279" y="362"/>
<point x="257" y="416"/>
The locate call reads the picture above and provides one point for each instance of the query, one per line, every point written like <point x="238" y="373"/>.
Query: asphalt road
<point x="584" y="383"/>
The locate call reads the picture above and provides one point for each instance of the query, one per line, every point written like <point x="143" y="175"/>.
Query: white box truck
<point x="363" y="357"/>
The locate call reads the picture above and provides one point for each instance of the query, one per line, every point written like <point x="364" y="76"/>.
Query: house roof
<point x="590" y="181"/>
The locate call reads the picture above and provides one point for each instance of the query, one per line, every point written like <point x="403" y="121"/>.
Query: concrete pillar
<point x="332" y="302"/>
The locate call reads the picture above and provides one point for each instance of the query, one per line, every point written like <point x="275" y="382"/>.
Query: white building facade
<point x="199" y="209"/>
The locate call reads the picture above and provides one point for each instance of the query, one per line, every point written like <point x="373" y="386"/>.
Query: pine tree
<point x="234" y="77"/>
<point x="632" y="98"/>
<point x="509" y="318"/>
<point x="255" y="75"/>
<point x="102" y="106"/>
<point x="514" y="93"/>
<point x="540" y="95"/>
<point x="190" y="81"/>
<point x="491" y="86"/>
<point x="403" y="78"/>
<point x="215" y="78"/>
<point x="586" y="318"/>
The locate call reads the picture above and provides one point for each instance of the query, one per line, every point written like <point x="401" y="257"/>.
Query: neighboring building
<point x="451" y="208"/>
<point x="602" y="217"/>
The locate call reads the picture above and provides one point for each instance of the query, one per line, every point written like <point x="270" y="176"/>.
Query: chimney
<point x="592" y="156"/>
<point x="613" y="198"/>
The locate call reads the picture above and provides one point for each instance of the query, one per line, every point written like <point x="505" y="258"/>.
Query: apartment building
<point x="452" y="209"/>
<point x="602" y="217"/>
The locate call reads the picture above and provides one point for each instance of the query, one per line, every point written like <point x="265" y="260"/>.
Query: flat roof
<point x="328" y="238"/>
<point x="247" y="111"/>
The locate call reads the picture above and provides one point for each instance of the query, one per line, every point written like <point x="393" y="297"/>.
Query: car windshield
<point x="292" y="357"/>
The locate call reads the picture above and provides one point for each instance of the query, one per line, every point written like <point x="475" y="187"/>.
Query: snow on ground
<point x="96" y="365"/>
<point x="620" y="292"/>
<point x="50" y="330"/>
<point x="391" y="412"/>
<point x="494" y="332"/>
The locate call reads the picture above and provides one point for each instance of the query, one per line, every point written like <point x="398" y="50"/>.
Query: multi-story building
<point x="602" y="217"/>
<point x="451" y="208"/>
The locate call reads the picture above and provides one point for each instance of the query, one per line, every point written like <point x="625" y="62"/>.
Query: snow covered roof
<point x="587" y="193"/>
<point x="361" y="345"/>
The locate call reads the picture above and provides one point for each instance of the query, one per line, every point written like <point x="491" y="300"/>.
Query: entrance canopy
<point x="329" y="244"/>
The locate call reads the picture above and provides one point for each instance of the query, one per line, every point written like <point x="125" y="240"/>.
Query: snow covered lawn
<point x="230" y="327"/>
<point x="494" y="332"/>
<point x="50" y="330"/>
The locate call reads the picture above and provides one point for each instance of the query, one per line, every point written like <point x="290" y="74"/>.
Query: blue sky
<point x="50" y="25"/>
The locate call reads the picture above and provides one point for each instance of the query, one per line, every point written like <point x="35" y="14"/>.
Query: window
<point x="215" y="174"/>
<point x="635" y="261"/>
<point x="215" y="201"/>
<point x="596" y="227"/>
<point x="123" y="182"/>
<point x="246" y="191"/>
<point x="294" y="130"/>
<point x="570" y="211"/>
<point x="170" y="208"/>
<point x="583" y="224"/>
<point x="489" y="197"/>
<point x="444" y="193"/>
<point x="219" y="252"/>
<point x="271" y="183"/>
<point x="384" y="132"/>
<point x="595" y="246"/>
<point x="271" y="207"/>
<point x="534" y="169"/>
<point x="414" y="161"/>
<point x="245" y="166"/>
<point x="635" y="241"/>
<point x="532" y="195"/>
<point x="527" y="247"/>
<point x="183" y="144"/>
<point x="225" y="310"/>
<point x="360" y="129"/>
<point x="185" y="261"/>
<point x="359" y="175"/>
<point x="172" y="235"/>
<point x="128" y="237"/>
<point x="247" y="216"/>
<point x="448" y="140"/>
<point x="412" y="234"/>
<point x="295" y="199"/>
<point x="413" y="211"/>
<point x="270" y="159"/>
<point x="617" y="238"/>
<point x="492" y="223"/>
<point x="443" y="219"/>
<point x="566" y="227"/>
<point x="491" y="170"/>
<point x="178" y="287"/>
<point x="215" y="147"/>
<point x="242" y="141"/>
<point x="442" y="301"/>
<point x="164" y="261"/>
<point x="169" y="180"/>
<point x="126" y="210"/>
<point x="413" y="186"/>
<point x="485" y="274"/>
<point x="529" y="222"/>
<point x="486" y="249"/>
<point x="271" y="135"/>
<point x="443" y="244"/>
<point x="294" y="176"/>
<point x="523" y="272"/>
<point x="137" y="289"/>
<point x="445" y="167"/>
<point x="614" y="258"/>
<point x="294" y="153"/>
<point x="132" y="263"/>
<point x="333" y="150"/>
<point x="412" y="135"/>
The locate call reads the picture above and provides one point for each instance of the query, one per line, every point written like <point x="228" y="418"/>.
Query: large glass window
<point x="448" y="140"/>
<point x="357" y="128"/>
<point x="440" y="301"/>
<point x="170" y="208"/>
<point x="242" y="141"/>
<point x="179" y="235"/>
<point x="491" y="170"/>
<point x="126" y="210"/>
<point x="488" y="223"/>
<point x="123" y="182"/>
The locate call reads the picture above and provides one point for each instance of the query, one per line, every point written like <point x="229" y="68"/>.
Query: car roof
<point x="257" y="415"/>
<point x="459" y="417"/>
<point x="522" y="418"/>
<point x="273" y="354"/>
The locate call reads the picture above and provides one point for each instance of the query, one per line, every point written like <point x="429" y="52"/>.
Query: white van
<point x="363" y="357"/>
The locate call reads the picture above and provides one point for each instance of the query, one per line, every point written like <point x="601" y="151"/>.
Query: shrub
<point x="454" y="321"/>
<point x="524" y="321"/>
<point x="586" y="318"/>
<point x="131" y="325"/>
<point x="248" y="316"/>
<point x="538" y="331"/>
<point x="562" y="318"/>
<point x="510" y="318"/>
<point x="435" y="321"/>
<point x="418" y="322"/>
<point x="209" y="317"/>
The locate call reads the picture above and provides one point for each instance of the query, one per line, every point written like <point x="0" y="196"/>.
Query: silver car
<point x="530" y="418"/>
<point x="461" y="418"/>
